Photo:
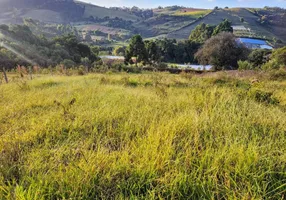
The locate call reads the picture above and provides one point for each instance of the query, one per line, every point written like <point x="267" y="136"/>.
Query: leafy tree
<point x="153" y="52"/>
<point x="136" y="49"/>
<point x="39" y="50"/>
<point x="201" y="33"/>
<point x="225" y="26"/>
<point x="68" y="63"/>
<point x="222" y="52"/>
<point x="167" y="48"/>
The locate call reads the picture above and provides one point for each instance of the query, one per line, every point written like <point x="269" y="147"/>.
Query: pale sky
<point x="188" y="3"/>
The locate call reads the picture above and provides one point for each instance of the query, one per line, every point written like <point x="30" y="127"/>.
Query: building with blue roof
<point x="254" y="43"/>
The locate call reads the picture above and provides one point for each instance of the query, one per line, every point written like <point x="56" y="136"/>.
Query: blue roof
<point x="253" y="41"/>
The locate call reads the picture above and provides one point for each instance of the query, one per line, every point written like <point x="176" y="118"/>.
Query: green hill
<point x="172" y="22"/>
<point x="245" y="24"/>
<point x="101" y="12"/>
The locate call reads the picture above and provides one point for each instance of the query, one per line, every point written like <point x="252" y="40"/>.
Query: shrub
<point x="258" y="57"/>
<point x="272" y="64"/>
<point x="80" y="70"/>
<point x="263" y="97"/>
<point x="278" y="75"/>
<point x="277" y="60"/>
<point x="244" y="65"/>
<point x="161" y="66"/>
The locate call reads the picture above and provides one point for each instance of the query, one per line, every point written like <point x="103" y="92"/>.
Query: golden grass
<point x="146" y="136"/>
<point x="194" y="13"/>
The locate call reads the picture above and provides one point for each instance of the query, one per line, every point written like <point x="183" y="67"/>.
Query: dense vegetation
<point x="222" y="52"/>
<point x="157" y="51"/>
<point x="67" y="133"/>
<point x="21" y="47"/>
<point x="148" y="136"/>
<point x="204" y="31"/>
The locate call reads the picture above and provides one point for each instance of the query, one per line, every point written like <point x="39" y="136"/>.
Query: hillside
<point x="101" y="12"/>
<point x="171" y="22"/>
<point x="248" y="27"/>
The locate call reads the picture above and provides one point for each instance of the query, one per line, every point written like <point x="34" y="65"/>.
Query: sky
<point x="189" y="3"/>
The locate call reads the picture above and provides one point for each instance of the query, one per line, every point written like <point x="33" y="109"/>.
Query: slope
<point x="101" y="12"/>
<point x="238" y="17"/>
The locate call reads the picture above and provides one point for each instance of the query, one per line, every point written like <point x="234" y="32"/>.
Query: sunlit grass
<point x="194" y="13"/>
<point x="146" y="136"/>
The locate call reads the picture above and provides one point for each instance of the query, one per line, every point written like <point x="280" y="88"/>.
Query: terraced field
<point x="234" y="15"/>
<point x="101" y="12"/>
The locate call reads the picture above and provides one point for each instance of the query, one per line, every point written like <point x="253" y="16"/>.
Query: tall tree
<point x="224" y="26"/>
<point x="153" y="52"/>
<point x="201" y="33"/>
<point x="136" y="49"/>
<point x="222" y="52"/>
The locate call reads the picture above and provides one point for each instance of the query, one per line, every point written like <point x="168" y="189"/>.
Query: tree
<point x="153" y="52"/>
<point x="258" y="57"/>
<point x="222" y="52"/>
<point x="167" y="48"/>
<point x="88" y="37"/>
<point x="95" y="50"/>
<point x="225" y="26"/>
<point x="119" y="51"/>
<point x="201" y="33"/>
<point x="68" y="63"/>
<point x="136" y="49"/>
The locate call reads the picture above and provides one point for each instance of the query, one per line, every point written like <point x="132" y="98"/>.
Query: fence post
<point x="5" y="75"/>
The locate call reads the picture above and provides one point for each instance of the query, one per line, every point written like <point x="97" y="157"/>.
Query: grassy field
<point x="196" y="13"/>
<point x="145" y="136"/>
<point x="101" y="12"/>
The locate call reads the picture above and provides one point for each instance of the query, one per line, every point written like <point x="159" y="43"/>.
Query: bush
<point x="244" y="65"/>
<point x="263" y="97"/>
<point x="277" y="60"/>
<point x="161" y="66"/>
<point x="272" y="64"/>
<point x="68" y="63"/>
<point x="278" y="75"/>
<point x="258" y="57"/>
<point x="81" y="70"/>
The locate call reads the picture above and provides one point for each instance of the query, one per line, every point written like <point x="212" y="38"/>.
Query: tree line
<point x="19" y="46"/>
<point x="207" y="45"/>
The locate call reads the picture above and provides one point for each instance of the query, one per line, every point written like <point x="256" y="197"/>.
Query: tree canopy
<point x="204" y="31"/>
<point x="222" y="52"/>
<point x="136" y="49"/>
<point x="29" y="49"/>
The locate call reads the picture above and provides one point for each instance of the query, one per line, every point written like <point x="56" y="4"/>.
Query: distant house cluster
<point x="254" y="43"/>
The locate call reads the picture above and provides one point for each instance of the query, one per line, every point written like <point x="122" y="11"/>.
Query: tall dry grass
<point x="148" y="136"/>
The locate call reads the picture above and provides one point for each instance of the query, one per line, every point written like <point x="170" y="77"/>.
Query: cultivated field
<point x="101" y="12"/>
<point x="233" y="15"/>
<point x="145" y="136"/>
